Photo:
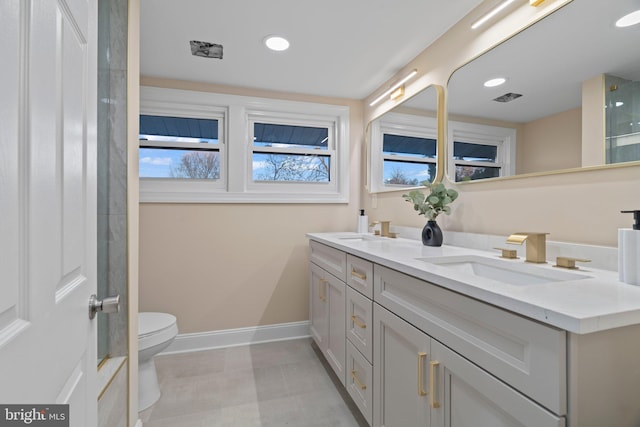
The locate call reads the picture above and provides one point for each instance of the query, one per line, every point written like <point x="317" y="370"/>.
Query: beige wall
<point x="221" y="266"/>
<point x="551" y="143"/>
<point x="581" y="207"/>
<point x="224" y="266"/>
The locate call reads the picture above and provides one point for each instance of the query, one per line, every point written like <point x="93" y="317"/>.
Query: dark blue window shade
<point x="179" y="127"/>
<point x="267" y="133"/>
<point x="401" y="144"/>
<point x="477" y="152"/>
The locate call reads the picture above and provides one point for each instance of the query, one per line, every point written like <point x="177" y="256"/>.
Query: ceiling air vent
<point x="507" y="97"/>
<point x="206" y="49"/>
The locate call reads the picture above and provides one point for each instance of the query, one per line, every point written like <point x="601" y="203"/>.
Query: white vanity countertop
<point x="581" y="306"/>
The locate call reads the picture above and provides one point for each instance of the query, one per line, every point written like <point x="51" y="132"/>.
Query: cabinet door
<point x="400" y="379"/>
<point x="335" y="351"/>
<point x="467" y="396"/>
<point x="318" y="315"/>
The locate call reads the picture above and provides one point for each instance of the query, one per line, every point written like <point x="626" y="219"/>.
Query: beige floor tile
<point x="264" y="385"/>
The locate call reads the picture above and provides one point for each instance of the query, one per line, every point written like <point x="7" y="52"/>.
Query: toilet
<point x="155" y="332"/>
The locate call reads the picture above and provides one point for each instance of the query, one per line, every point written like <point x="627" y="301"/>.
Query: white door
<point x="48" y="204"/>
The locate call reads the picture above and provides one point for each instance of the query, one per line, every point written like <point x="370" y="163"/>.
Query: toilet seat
<point x="155" y="328"/>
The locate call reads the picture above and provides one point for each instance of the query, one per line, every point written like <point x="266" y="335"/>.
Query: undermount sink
<point x="359" y="238"/>
<point x="509" y="272"/>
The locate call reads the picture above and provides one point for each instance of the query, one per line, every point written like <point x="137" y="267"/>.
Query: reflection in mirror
<point x="403" y="144"/>
<point x="570" y="97"/>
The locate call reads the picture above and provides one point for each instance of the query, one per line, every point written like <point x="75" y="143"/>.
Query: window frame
<point x="220" y="148"/>
<point x="254" y="116"/>
<point x="472" y="133"/>
<point x="236" y="144"/>
<point x="398" y="124"/>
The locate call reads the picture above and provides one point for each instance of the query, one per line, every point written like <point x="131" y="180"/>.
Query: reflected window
<point x="408" y="160"/>
<point x="403" y="151"/>
<point x="480" y="151"/>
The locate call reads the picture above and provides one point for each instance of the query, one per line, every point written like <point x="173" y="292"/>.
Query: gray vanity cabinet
<point x="401" y="372"/>
<point x="412" y="353"/>
<point x="327" y="302"/>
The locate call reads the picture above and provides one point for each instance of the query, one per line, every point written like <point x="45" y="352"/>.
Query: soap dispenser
<point x="629" y="251"/>
<point x="363" y="222"/>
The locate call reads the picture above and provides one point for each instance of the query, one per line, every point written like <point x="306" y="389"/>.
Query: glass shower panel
<point x="622" y="140"/>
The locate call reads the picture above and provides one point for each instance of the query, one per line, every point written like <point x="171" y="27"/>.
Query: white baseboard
<point x="235" y="337"/>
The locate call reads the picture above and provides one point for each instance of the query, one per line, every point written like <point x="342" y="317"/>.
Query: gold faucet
<point x="536" y="245"/>
<point x="384" y="229"/>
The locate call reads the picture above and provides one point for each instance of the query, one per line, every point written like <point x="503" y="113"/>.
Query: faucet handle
<point x="568" y="262"/>
<point x="508" y="253"/>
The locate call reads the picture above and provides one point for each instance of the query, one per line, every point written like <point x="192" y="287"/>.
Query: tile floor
<point x="285" y="383"/>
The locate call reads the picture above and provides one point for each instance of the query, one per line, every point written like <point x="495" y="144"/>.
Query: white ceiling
<point x="340" y="48"/>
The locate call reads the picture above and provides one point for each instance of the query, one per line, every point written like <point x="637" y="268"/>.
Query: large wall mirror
<point x="403" y="143"/>
<point x="570" y="97"/>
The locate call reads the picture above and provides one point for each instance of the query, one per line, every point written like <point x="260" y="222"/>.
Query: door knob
<point x="107" y="305"/>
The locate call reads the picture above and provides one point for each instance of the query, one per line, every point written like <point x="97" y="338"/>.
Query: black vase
<point x="432" y="234"/>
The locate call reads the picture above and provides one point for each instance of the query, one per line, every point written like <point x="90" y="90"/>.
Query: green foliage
<point x="434" y="203"/>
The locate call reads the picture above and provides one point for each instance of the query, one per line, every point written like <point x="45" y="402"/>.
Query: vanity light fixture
<point x="394" y="87"/>
<point x="276" y="43"/>
<point x="628" y="20"/>
<point x="535" y="3"/>
<point x="491" y="14"/>
<point x="495" y="82"/>
<point x="397" y="94"/>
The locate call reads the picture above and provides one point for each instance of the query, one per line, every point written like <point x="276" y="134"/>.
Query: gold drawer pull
<point x="358" y="322"/>
<point x="357" y="381"/>
<point x="421" y="357"/>
<point x="434" y="365"/>
<point x="358" y="275"/>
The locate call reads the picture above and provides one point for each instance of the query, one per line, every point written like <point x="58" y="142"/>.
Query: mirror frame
<point x="440" y="139"/>
<point x="445" y="124"/>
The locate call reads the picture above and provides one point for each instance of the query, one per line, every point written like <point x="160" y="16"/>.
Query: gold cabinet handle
<point x="358" y="322"/>
<point x="358" y="275"/>
<point x="357" y="381"/>
<point x="321" y="291"/>
<point x="421" y="357"/>
<point x="434" y="364"/>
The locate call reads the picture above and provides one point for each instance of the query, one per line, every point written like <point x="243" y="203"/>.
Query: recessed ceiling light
<point x="628" y="20"/>
<point x="495" y="82"/>
<point x="276" y="43"/>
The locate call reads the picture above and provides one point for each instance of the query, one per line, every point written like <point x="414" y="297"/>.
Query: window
<point x="294" y="153"/>
<point x="178" y="147"/>
<point x="481" y="151"/>
<point x="403" y="151"/>
<point x="205" y="147"/>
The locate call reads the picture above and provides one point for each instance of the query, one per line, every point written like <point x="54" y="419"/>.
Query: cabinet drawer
<point x="332" y="260"/>
<point x="360" y="322"/>
<point x="359" y="381"/>
<point x="528" y="355"/>
<point x="360" y="275"/>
